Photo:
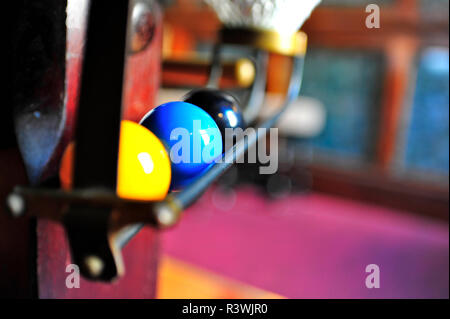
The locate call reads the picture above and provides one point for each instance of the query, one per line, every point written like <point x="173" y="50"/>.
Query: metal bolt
<point x="143" y="27"/>
<point x="94" y="265"/>
<point x="16" y="205"/>
<point x="166" y="217"/>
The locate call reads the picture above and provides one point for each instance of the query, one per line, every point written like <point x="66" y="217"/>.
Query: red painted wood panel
<point x="142" y="78"/>
<point x="140" y="258"/>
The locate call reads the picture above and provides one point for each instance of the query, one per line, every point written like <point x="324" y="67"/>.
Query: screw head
<point x="166" y="217"/>
<point x="143" y="23"/>
<point x="94" y="265"/>
<point x="16" y="205"/>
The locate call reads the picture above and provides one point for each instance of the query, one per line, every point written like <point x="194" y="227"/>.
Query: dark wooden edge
<point x="377" y="187"/>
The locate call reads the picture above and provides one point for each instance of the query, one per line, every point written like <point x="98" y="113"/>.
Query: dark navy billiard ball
<point x="221" y="106"/>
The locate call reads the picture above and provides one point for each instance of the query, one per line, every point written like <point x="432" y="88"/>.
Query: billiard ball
<point x="192" y="138"/>
<point x="144" y="170"/>
<point x="221" y="106"/>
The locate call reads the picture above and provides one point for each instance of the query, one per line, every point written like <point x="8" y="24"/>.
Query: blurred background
<point x="364" y="162"/>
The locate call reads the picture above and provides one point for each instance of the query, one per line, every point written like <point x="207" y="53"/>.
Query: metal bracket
<point x="98" y="223"/>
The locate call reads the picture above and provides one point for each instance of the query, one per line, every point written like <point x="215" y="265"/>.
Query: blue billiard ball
<point x="191" y="136"/>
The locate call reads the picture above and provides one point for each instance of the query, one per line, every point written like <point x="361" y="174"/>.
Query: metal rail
<point x="186" y="197"/>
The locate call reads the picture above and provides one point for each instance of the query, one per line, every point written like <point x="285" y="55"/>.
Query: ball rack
<point x="98" y="223"/>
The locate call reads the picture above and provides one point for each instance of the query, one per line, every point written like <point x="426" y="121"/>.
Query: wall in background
<point x="349" y="84"/>
<point x="427" y="146"/>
